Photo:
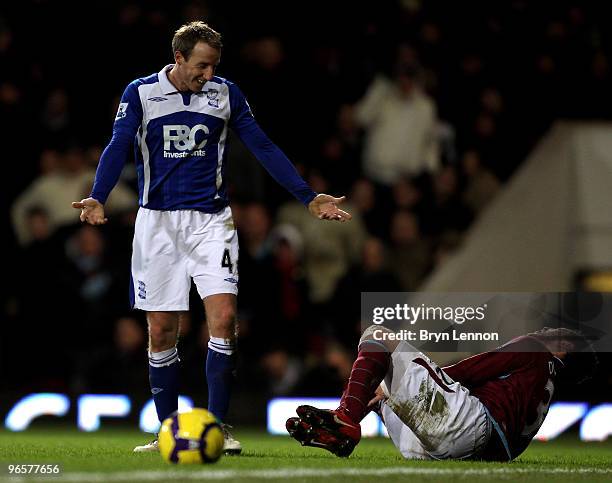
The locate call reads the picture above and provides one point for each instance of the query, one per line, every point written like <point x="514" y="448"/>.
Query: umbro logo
<point x="158" y="99"/>
<point x="156" y="390"/>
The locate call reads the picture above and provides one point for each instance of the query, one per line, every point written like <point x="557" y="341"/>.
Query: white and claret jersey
<point x="180" y="139"/>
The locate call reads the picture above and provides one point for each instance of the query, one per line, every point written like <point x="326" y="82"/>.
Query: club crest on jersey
<point x="122" y="111"/>
<point x="213" y="98"/>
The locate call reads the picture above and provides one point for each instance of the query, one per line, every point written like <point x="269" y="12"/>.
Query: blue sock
<point x="220" y="366"/>
<point x="164" y="380"/>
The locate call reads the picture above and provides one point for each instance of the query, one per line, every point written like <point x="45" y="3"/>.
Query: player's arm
<point x="127" y="122"/>
<point x="276" y="163"/>
<point x="478" y="369"/>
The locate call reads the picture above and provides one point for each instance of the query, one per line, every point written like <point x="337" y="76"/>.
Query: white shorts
<point x="173" y="247"/>
<point x="427" y="414"/>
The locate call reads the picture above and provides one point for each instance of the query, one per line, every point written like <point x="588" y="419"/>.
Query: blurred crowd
<point x="418" y="111"/>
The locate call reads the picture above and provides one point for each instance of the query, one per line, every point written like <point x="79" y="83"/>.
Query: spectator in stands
<point x="282" y="372"/>
<point x="409" y="252"/>
<point x="56" y="118"/>
<point x="329" y="248"/>
<point x="408" y="195"/>
<point x="481" y="185"/>
<point x="363" y="198"/>
<point x="445" y="211"/>
<point x="54" y="189"/>
<point x="325" y="371"/>
<point x="38" y="275"/>
<point x="115" y="368"/>
<point x="341" y="150"/>
<point x="287" y="253"/>
<point x="371" y="274"/>
<point x="264" y="321"/>
<point x="94" y="286"/>
<point x="254" y="229"/>
<point x="37" y="225"/>
<point x="399" y="120"/>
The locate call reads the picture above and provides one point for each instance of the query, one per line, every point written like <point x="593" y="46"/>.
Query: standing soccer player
<point x="177" y="122"/>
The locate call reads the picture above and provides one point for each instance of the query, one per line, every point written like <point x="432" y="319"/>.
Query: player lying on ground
<point x="487" y="407"/>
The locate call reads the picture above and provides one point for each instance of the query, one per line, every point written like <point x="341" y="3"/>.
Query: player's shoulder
<point x="224" y="83"/>
<point x="134" y="88"/>
<point x="150" y="79"/>
<point x="221" y="81"/>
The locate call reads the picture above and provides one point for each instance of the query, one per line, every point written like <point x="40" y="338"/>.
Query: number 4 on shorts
<point x="226" y="261"/>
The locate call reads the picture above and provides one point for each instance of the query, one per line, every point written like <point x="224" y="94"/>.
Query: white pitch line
<point x="287" y="473"/>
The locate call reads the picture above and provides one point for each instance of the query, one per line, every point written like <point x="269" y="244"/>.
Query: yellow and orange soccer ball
<point x="190" y="437"/>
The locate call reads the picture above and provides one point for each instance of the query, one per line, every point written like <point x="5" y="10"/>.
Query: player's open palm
<point x="325" y="207"/>
<point x="92" y="211"/>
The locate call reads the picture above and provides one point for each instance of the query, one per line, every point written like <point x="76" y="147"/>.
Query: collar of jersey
<point x="167" y="87"/>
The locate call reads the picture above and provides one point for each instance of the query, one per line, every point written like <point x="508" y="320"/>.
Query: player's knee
<point x="375" y="334"/>
<point x="223" y="322"/>
<point x="161" y="337"/>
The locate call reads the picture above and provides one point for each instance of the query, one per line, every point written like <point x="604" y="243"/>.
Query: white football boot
<point x="147" y="448"/>
<point x="231" y="446"/>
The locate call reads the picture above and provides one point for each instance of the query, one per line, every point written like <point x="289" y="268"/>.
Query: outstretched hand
<point x="325" y="207"/>
<point x="92" y="211"/>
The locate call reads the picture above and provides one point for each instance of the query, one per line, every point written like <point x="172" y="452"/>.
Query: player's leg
<point x="163" y="367"/>
<point x="163" y="361"/>
<point x="221" y="361"/>
<point x="427" y="414"/>
<point x="369" y="370"/>
<point x="160" y="286"/>
<point x="213" y="264"/>
<point x="402" y="436"/>
<point x="339" y="431"/>
<point x="221" y="357"/>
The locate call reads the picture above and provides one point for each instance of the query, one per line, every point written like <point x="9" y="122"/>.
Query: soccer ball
<point x="189" y="437"/>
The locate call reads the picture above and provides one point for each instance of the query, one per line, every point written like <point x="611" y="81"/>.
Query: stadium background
<point x="499" y="74"/>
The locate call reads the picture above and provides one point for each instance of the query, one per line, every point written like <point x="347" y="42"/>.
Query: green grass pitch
<point x="106" y="456"/>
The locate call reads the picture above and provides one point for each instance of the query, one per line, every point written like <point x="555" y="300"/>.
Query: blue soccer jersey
<point x="180" y="138"/>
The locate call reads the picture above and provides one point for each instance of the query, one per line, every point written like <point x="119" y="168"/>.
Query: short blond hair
<point x="186" y="37"/>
